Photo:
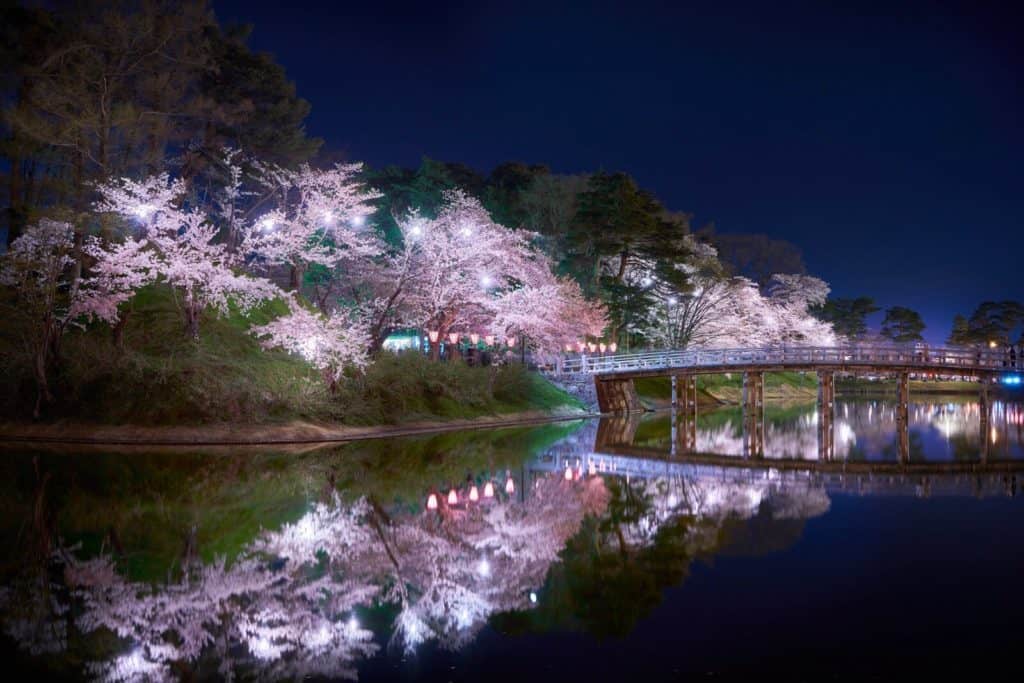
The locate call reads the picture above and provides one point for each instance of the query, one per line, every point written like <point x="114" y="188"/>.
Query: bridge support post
<point x="617" y="396"/>
<point x="903" y="414"/>
<point x="753" y="413"/>
<point x="984" y="419"/>
<point x="826" y="414"/>
<point x="684" y="414"/>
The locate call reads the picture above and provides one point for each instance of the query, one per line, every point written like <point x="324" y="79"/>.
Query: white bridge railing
<point x="954" y="359"/>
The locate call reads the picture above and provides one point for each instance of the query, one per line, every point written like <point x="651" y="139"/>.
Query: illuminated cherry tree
<point x="550" y="312"/>
<point x="184" y="249"/>
<point x="462" y="259"/>
<point x="319" y="219"/>
<point x="330" y="343"/>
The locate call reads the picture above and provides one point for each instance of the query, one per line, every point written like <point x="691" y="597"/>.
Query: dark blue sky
<point x="885" y="141"/>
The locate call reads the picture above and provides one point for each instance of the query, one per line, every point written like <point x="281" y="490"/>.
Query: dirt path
<point x="246" y="435"/>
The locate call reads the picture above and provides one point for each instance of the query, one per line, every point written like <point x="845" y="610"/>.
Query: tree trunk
<point x="192" y="313"/>
<point x="119" y="327"/>
<point x="294" y="278"/>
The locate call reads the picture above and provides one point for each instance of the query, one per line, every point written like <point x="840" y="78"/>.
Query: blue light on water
<point x="1013" y="380"/>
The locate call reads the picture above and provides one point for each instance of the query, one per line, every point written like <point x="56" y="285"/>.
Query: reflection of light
<point x="488" y="490"/>
<point x="994" y="434"/>
<point x="568" y="473"/>
<point x="143" y="211"/>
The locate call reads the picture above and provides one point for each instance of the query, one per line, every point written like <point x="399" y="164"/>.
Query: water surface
<point x="605" y="549"/>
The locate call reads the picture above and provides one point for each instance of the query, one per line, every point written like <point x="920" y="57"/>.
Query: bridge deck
<point x="863" y="359"/>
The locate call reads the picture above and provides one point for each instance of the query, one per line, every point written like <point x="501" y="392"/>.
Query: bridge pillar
<point x="903" y="414"/>
<point x="617" y="396"/>
<point x="675" y="390"/>
<point x="984" y="419"/>
<point x="684" y="417"/>
<point x="616" y="431"/>
<point x="753" y="413"/>
<point x="826" y="414"/>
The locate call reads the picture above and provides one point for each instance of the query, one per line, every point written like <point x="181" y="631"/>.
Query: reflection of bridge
<point x="614" y="376"/>
<point x="614" y="453"/>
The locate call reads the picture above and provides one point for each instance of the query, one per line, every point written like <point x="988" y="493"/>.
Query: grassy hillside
<point x="161" y="377"/>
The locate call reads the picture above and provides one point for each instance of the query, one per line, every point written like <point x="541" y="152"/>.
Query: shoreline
<point x="293" y="433"/>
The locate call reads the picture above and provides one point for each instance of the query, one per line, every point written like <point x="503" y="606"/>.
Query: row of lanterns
<point x="593" y="347"/>
<point x="474" y="493"/>
<point x="474" y="338"/>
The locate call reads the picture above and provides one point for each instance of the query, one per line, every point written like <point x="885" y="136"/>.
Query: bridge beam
<point x="617" y="395"/>
<point x="753" y="413"/>
<point x="826" y="414"/>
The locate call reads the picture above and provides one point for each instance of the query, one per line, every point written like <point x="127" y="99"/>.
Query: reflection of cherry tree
<point x="286" y="605"/>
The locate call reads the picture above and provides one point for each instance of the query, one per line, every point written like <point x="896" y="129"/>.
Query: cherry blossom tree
<point x="462" y="259"/>
<point x="184" y="248"/>
<point x="319" y="219"/>
<point x="47" y="300"/>
<point x="330" y="343"/>
<point x="550" y="312"/>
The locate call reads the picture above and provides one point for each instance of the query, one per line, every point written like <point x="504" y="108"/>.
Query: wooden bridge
<point x="614" y="375"/>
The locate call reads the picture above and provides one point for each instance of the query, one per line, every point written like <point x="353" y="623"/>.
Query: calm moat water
<point x="599" y="550"/>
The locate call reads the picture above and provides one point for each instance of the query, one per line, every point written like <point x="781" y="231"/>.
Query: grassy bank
<point x="719" y="389"/>
<point x="161" y="377"/>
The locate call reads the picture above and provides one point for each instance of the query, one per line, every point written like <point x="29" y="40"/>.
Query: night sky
<point x="884" y="141"/>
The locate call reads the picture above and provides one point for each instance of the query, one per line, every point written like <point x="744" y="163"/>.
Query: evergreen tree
<point x="902" y="324"/>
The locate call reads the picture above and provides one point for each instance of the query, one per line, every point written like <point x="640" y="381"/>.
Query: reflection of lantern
<point x="453" y="337"/>
<point x="474" y="495"/>
<point x="433" y="334"/>
<point x="592" y="346"/>
<point x="613" y="347"/>
<point x="453" y="497"/>
<point x="474" y="339"/>
<point x="591" y="469"/>
<point x="510" y="486"/>
<point x="511" y="341"/>
<point x="568" y="473"/>
<point x="432" y="502"/>
<point x="489" y="340"/>
<point x="602" y="347"/>
<point x="488" y="490"/>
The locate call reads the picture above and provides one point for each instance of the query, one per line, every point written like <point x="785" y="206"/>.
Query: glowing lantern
<point x="581" y="346"/>
<point x="602" y="347"/>
<point x="474" y="495"/>
<point x="592" y="346"/>
<point x="568" y="473"/>
<point x="613" y="347"/>
<point x="433" y="334"/>
<point x="489" y="340"/>
<point x="568" y="348"/>
<point x="488" y="490"/>
<point x="510" y="486"/>
<point x="453" y="337"/>
<point x="432" y="501"/>
<point x="511" y="341"/>
<point x="453" y="497"/>
<point x="474" y="339"/>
